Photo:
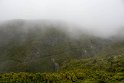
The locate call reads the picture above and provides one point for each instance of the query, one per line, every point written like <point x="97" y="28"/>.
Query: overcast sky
<point x="103" y="16"/>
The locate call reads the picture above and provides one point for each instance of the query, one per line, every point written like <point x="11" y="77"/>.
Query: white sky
<point x="103" y="16"/>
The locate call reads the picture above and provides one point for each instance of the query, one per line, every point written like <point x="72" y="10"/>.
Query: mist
<point x="103" y="18"/>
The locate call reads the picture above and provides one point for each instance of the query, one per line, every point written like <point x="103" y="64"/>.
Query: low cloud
<point x="100" y="17"/>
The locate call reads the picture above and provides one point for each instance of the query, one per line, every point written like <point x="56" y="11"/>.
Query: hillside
<point x="37" y="47"/>
<point x="29" y="49"/>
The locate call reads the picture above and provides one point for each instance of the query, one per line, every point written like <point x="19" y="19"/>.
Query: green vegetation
<point x="38" y="49"/>
<point x="49" y="55"/>
<point x="89" y="70"/>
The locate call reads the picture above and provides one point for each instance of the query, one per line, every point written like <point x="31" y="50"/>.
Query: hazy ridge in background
<point x="103" y="18"/>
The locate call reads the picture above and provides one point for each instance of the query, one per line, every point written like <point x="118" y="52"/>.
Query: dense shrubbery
<point x="77" y="71"/>
<point x="64" y="77"/>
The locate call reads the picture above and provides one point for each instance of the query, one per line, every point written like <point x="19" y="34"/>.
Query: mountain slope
<point x="41" y="47"/>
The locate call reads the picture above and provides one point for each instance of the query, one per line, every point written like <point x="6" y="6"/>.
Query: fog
<point x="101" y="17"/>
